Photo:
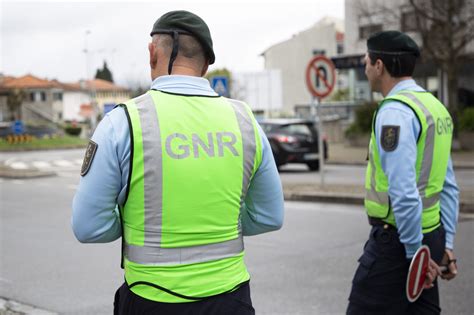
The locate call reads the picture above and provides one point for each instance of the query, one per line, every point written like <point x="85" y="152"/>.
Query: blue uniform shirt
<point x="95" y="216"/>
<point x="399" y="167"/>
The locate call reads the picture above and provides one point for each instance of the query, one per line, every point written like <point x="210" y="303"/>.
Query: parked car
<point x="294" y="141"/>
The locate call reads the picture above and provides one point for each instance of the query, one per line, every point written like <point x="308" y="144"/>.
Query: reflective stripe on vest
<point x="382" y="198"/>
<point x="377" y="197"/>
<point x="151" y="253"/>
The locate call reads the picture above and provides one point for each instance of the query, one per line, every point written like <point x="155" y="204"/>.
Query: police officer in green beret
<point x="181" y="175"/>
<point x="411" y="192"/>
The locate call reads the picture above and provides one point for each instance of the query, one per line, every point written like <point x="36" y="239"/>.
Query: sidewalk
<point x="341" y="154"/>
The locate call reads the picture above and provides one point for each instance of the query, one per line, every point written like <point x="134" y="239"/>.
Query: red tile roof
<point x="29" y="82"/>
<point x="102" y="85"/>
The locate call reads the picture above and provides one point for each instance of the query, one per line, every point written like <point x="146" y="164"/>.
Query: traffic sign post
<point x="320" y="80"/>
<point x="18" y="127"/>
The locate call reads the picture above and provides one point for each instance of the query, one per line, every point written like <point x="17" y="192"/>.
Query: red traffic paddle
<point x="417" y="273"/>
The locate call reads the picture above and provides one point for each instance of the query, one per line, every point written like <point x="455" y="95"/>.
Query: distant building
<point x="261" y="90"/>
<point x="292" y="56"/>
<point x="76" y="102"/>
<point x="78" y="98"/>
<point x="53" y="101"/>
<point x="107" y="94"/>
<point x="394" y="15"/>
<point x="42" y="99"/>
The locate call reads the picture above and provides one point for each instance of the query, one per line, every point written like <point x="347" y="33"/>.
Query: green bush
<point x="466" y="120"/>
<point x="73" y="131"/>
<point x="363" y="119"/>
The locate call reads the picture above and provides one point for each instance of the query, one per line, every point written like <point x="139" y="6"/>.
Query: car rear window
<point x="296" y="129"/>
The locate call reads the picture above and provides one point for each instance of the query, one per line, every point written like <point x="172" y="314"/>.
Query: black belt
<point x="379" y="222"/>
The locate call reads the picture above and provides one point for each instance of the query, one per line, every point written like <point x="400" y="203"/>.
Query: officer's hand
<point x="450" y="262"/>
<point x="431" y="274"/>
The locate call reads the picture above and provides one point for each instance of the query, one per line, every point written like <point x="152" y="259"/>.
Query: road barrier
<point x="15" y="139"/>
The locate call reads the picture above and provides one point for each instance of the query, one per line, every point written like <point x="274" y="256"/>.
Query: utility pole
<point x="91" y="90"/>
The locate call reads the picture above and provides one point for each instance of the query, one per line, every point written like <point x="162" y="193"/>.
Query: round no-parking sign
<point x="320" y="76"/>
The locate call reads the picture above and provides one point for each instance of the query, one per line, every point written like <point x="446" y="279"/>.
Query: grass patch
<point x="59" y="142"/>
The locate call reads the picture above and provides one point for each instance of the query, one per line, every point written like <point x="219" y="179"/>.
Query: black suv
<point x="294" y="141"/>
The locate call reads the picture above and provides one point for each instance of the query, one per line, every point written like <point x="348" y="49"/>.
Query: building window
<point x="43" y="96"/>
<point x="57" y="96"/>
<point x="340" y="48"/>
<point x="366" y="30"/>
<point x="32" y="96"/>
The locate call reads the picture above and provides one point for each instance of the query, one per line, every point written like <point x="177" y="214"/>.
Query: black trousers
<point x="237" y="302"/>
<point x="379" y="284"/>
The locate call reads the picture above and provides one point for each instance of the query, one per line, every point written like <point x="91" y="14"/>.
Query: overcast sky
<point x="48" y="38"/>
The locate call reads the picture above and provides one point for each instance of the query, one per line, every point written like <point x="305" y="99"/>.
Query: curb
<point x="456" y="166"/>
<point x="7" y="172"/>
<point x="9" y="150"/>
<point x="10" y="307"/>
<point x="355" y="199"/>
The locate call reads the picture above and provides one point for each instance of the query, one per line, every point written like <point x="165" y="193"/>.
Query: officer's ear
<point x="204" y="68"/>
<point x="153" y="55"/>
<point x="379" y="67"/>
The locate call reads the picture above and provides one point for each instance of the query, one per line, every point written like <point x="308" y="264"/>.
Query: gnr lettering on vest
<point x="179" y="146"/>
<point x="444" y="126"/>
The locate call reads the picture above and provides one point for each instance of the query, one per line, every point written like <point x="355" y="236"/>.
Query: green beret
<point x="392" y="43"/>
<point x="186" y="23"/>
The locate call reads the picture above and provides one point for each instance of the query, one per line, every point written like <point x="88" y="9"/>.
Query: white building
<point x="293" y="55"/>
<point x="73" y="98"/>
<point x="262" y="91"/>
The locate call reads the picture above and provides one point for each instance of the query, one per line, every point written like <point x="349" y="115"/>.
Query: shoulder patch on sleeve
<point x="389" y="137"/>
<point x="88" y="157"/>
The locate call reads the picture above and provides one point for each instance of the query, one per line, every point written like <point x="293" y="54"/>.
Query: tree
<point x="104" y="73"/>
<point x="446" y="28"/>
<point x="14" y="100"/>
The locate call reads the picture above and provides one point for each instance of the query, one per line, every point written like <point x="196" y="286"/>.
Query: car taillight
<point x="286" y="139"/>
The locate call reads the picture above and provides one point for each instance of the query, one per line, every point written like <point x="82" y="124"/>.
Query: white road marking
<point x="18" y="182"/>
<point x="78" y="162"/>
<point x="19" y="165"/>
<point x="62" y="163"/>
<point x="73" y="174"/>
<point x="9" y="161"/>
<point x="73" y="187"/>
<point x="41" y="164"/>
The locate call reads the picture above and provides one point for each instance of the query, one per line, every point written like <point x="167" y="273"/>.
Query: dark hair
<point x="401" y="65"/>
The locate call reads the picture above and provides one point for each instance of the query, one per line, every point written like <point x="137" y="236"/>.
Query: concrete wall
<point x="293" y="55"/>
<point x="262" y="91"/>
